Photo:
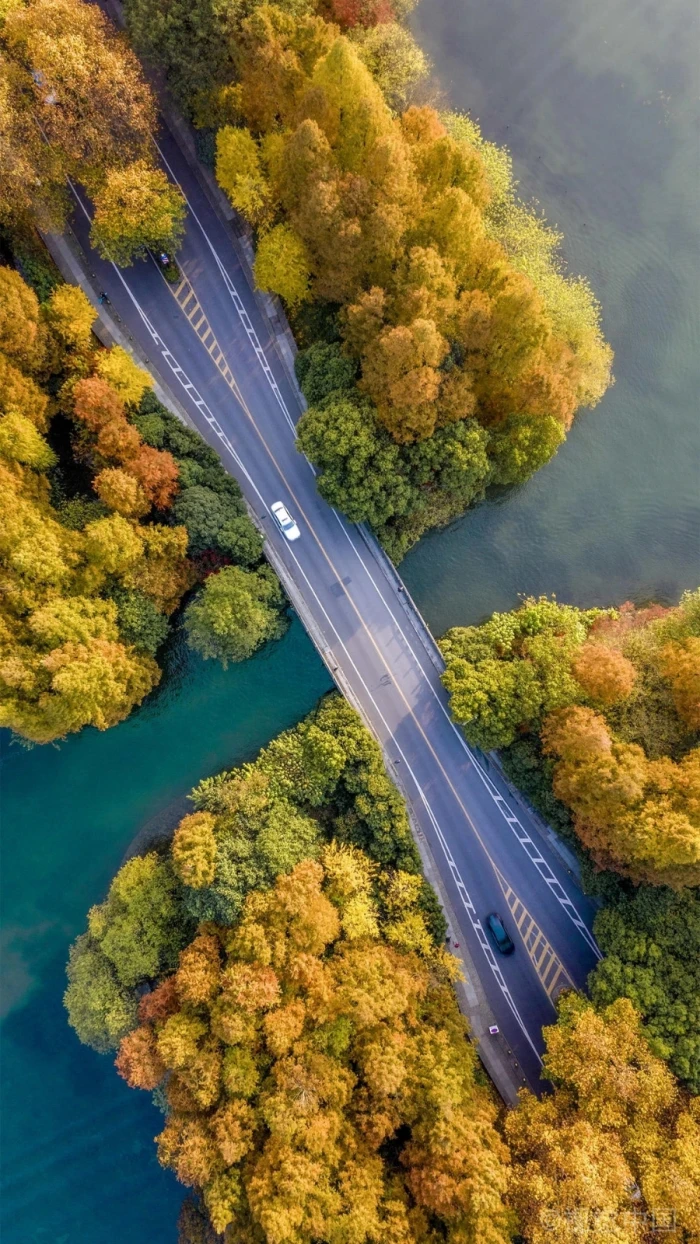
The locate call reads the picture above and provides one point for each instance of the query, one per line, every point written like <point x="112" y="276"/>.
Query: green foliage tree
<point x="323" y="369"/>
<point x="140" y="623"/>
<point x="360" y="467"/>
<point x="207" y="515"/>
<point x="397" y="63"/>
<point x="505" y="675"/>
<point x="521" y="445"/>
<point x="135" y="935"/>
<point x="235" y="613"/>
<point x="99" y="1008"/>
<point x="651" y="943"/>
<point x="137" y="927"/>
<point x="137" y="210"/>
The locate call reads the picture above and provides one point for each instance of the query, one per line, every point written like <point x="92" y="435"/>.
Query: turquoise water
<point x="597" y="100"/>
<point x="77" y="1152"/>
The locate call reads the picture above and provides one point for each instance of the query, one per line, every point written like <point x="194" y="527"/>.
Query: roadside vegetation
<point x="112" y="512"/>
<point x="443" y="346"/>
<point x="275" y="975"/>
<point x="597" y="715"/>
<point x="74" y="105"/>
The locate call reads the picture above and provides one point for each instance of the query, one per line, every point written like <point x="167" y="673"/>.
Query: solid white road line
<point x="523" y="838"/>
<point x="201" y="405"/>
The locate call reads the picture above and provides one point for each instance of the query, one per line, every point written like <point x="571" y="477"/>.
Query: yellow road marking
<point x="541" y="954"/>
<point x="233" y="385"/>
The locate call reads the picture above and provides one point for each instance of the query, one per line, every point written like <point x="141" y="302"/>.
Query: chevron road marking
<point x="552" y="974"/>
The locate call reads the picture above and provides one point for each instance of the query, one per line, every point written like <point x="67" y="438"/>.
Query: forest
<point x="112" y="513"/>
<point x="597" y="717"/>
<point x="275" y="975"/>
<point x="443" y="346"/>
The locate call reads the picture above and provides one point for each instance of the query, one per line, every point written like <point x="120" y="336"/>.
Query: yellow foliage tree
<point x="71" y="316"/>
<point x="301" y="1047"/>
<point x="240" y="174"/>
<point x="610" y="1131"/>
<point x="194" y="850"/>
<point x="120" y="371"/>
<point x="282" y="265"/>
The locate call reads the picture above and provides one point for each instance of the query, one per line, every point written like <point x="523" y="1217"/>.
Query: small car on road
<point x="285" y="521"/>
<point x="500" y="938"/>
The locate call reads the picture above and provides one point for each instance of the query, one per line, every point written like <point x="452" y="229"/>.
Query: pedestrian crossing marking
<point x="551" y="972"/>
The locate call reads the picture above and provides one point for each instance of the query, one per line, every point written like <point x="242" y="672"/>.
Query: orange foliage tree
<point x="303" y="1044"/>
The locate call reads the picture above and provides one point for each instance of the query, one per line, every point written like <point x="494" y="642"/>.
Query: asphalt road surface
<point x="216" y="351"/>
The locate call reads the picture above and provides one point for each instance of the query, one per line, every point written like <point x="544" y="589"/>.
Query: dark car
<point x="497" y="929"/>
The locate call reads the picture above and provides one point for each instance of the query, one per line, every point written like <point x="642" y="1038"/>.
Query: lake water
<point x="597" y="100"/>
<point x="77" y="1144"/>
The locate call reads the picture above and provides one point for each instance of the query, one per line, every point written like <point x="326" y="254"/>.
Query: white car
<point x="285" y="522"/>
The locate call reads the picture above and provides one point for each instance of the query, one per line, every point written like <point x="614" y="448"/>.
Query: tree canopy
<point x="450" y="297"/>
<point x="236" y="611"/>
<point x="651" y="942"/>
<point x="616" y="1140"/>
<point x="93" y="556"/>
<point x="606" y="697"/>
<point x="297" y="1046"/>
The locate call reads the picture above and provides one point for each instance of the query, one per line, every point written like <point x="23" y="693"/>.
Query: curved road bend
<point x="214" y="348"/>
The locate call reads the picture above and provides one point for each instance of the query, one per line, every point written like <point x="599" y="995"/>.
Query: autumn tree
<point x="282" y="266"/>
<point x="636" y="815"/>
<point x="22" y="335"/>
<point x="605" y="674"/>
<point x="680" y="664"/>
<point x="86" y="90"/>
<point x="360" y="1041"/>
<point x="86" y="585"/>
<point x="194" y="850"/>
<point x="607" y="1135"/>
<point x="137" y="210"/>
<point x="71" y="316"/>
<point x="240" y="173"/>
<point x="121" y="373"/>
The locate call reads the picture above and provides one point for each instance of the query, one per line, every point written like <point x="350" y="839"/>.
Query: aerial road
<point x="208" y="339"/>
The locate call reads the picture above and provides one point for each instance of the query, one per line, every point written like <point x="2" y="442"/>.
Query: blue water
<point x="79" y="1164"/>
<point x="598" y="101"/>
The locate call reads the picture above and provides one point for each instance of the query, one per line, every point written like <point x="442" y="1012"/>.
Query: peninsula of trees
<point x="443" y="346"/>
<point x="597" y="715"/>
<point x="111" y="512"/>
<point x="275" y="975"/>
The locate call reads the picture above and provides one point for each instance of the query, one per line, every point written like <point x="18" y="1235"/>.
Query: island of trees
<point x="275" y="975"/>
